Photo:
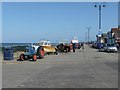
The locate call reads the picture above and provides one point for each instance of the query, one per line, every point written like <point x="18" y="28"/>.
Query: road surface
<point x="86" y="68"/>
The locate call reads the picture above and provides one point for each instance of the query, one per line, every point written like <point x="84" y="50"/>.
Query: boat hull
<point x="49" y="49"/>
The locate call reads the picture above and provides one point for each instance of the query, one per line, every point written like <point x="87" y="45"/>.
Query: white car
<point x="110" y="48"/>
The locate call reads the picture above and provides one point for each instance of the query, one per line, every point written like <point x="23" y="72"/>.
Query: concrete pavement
<point x="83" y="69"/>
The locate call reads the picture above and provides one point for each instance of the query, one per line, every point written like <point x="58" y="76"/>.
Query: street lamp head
<point x="104" y="4"/>
<point x="95" y="5"/>
<point x="99" y="4"/>
<point x="88" y="27"/>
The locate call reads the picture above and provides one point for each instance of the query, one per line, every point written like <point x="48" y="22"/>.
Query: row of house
<point x="111" y="37"/>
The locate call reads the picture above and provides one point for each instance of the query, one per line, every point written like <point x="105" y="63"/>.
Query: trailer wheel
<point x="68" y="49"/>
<point x="41" y="52"/>
<point x="34" y="57"/>
<point x="22" y="57"/>
<point x="56" y="51"/>
<point x="62" y="48"/>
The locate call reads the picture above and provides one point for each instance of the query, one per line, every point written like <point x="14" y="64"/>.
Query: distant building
<point x="104" y="38"/>
<point x="99" y="37"/>
<point x="116" y="33"/>
<point x="110" y="37"/>
<point x="119" y="27"/>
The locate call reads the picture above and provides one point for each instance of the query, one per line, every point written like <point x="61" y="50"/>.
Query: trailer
<point x="64" y="47"/>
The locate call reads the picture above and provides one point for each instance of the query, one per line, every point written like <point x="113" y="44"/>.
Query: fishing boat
<point x="76" y="42"/>
<point x="48" y="48"/>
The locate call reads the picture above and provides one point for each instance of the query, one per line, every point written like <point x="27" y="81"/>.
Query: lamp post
<point x="85" y="36"/>
<point x="100" y="6"/>
<point x="88" y="33"/>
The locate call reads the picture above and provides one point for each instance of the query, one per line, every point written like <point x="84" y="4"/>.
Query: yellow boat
<point x="48" y="48"/>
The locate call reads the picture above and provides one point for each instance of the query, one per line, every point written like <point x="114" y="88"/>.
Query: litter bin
<point x="8" y="54"/>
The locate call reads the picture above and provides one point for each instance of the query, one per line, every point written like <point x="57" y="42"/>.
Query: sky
<point x="28" y="22"/>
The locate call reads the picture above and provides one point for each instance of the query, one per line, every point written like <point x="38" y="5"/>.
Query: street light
<point x="85" y="36"/>
<point x="88" y="33"/>
<point x="100" y="6"/>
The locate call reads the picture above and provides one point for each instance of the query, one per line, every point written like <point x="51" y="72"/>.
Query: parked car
<point x="110" y="48"/>
<point x="102" y="47"/>
<point x="94" y="45"/>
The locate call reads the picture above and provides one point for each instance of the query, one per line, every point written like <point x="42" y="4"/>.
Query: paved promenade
<point x="83" y="69"/>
